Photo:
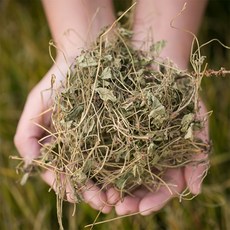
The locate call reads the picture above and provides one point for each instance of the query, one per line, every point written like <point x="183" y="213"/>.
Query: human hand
<point x="178" y="182"/>
<point x="37" y="114"/>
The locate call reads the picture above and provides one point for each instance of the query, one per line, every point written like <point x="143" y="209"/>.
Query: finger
<point x="154" y="201"/>
<point x="50" y="178"/>
<point x="95" y="197"/>
<point x="27" y="133"/>
<point x="130" y="203"/>
<point x="34" y="116"/>
<point x="61" y="188"/>
<point x="92" y="195"/>
<point x="195" y="173"/>
<point x="127" y="206"/>
<point x="113" y="196"/>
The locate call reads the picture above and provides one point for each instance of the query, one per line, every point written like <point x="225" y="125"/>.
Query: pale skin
<point x="74" y="25"/>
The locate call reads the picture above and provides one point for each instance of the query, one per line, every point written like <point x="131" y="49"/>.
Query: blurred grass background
<point x="24" y="59"/>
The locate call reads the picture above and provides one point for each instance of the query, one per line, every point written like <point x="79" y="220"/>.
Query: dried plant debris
<point x="122" y="118"/>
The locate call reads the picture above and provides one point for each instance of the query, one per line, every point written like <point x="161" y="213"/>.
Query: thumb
<point x="28" y="133"/>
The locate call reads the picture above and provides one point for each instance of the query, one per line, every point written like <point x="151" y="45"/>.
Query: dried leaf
<point x="75" y="113"/>
<point x="158" y="111"/>
<point x="189" y="133"/>
<point x="117" y="63"/>
<point x="86" y="60"/>
<point x="157" y="47"/>
<point x="186" y="121"/>
<point x="108" y="57"/>
<point x="151" y="148"/>
<point x="106" y="73"/>
<point x="120" y="183"/>
<point x="88" y="126"/>
<point x="105" y="94"/>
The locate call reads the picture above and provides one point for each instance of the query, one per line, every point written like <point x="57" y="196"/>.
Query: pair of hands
<point x="36" y="111"/>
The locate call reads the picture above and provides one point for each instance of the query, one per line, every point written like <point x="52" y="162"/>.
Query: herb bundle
<point x="123" y="117"/>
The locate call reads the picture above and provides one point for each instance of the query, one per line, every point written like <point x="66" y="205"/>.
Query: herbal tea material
<point x="122" y="118"/>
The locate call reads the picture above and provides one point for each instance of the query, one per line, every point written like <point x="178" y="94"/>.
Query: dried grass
<point x="122" y="118"/>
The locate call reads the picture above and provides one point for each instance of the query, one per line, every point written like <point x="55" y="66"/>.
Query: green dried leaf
<point x="105" y="83"/>
<point x="75" y="113"/>
<point x="137" y="171"/>
<point x="88" y="126"/>
<point x="120" y="183"/>
<point x="189" y="133"/>
<point x="186" y="121"/>
<point x="105" y="94"/>
<point x="155" y="159"/>
<point x="106" y="73"/>
<point x="157" y="47"/>
<point x="117" y="63"/>
<point x="108" y="57"/>
<point x="86" y="60"/>
<point x="151" y="148"/>
<point x="158" y="111"/>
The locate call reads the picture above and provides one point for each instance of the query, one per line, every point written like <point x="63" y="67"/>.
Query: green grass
<point x="24" y="60"/>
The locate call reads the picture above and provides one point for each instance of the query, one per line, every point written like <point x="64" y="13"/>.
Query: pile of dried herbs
<point x="123" y="117"/>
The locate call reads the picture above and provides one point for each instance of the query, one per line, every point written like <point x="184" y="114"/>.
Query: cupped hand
<point x="178" y="182"/>
<point x="37" y="114"/>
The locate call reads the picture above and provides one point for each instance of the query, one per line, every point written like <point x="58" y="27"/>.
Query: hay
<point x="122" y="118"/>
